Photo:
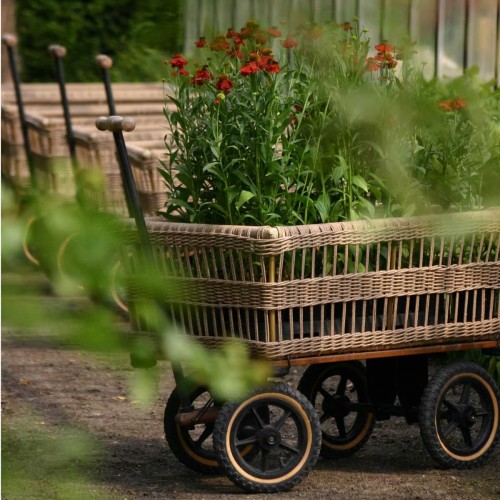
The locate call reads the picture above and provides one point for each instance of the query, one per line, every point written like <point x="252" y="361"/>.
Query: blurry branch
<point x="78" y="250"/>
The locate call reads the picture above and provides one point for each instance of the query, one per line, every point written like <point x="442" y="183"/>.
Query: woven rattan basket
<point x="315" y="290"/>
<point x="42" y="102"/>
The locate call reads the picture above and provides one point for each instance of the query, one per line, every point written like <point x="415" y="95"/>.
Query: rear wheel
<point x="192" y="445"/>
<point x="339" y="393"/>
<point x="459" y="415"/>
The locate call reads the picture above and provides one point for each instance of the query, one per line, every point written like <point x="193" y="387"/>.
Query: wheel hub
<point x="336" y="405"/>
<point x="269" y="437"/>
<point x="468" y="416"/>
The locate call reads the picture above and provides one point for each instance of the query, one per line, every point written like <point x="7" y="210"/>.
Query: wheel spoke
<point x="263" y="460"/>
<point x="342" y="385"/>
<point x="204" y="435"/>
<point x="289" y="447"/>
<point x="258" y="417"/>
<point x="323" y="418"/>
<point x="245" y="441"/>
<point x="483" y="413"/>
<point x="464" y="398"/>
<point x="449" y="429"/>
<point x="279" y="424"/>
<point x="449" y="405"/>
<point x="340" y="426"/>
<point x="467" y="436"/>
<point x="324" y="392"/>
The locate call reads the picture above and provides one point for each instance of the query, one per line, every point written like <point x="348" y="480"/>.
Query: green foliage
<point x="336" y="134"/>
<point x="78" y="249"/>
<point x="138" y="35"/>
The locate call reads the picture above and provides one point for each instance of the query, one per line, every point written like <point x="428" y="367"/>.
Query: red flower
<point x="231" y="33"/>
<point x="201" y="42"/>
<point x="289" y="43"/>
<point x="236" y="53"/>
<point x="372" y="64"/>
<point x="346" y="26"/>
<point x="219" y="44"/>
<point x="217" y="101"/>
<point x="201" y="76"/>
<point x="177" y="61"/>
<point x="224" y="83"/>
<point x="249" y="68"/>
<point x="181" y="72"/>
<point x="272" y="66"/>
<point x="274" y="32"/>
<point x="384" y="47"/>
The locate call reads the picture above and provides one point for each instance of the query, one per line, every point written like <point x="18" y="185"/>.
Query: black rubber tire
<point x="361" y="419"/>
<point x="291" y="417"/>
<point x="198" y="458"/>
<point x="471" y="417"/>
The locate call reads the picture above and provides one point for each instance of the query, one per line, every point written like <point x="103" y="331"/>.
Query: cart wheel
<point x="459" y="415"/>
<point x="339" y="393"/>
<point x="192" y="445"/>
<point x="285" y="443"/>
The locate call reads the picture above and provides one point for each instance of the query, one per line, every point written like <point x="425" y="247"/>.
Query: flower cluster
<point x="452" y="104"/>
<point x="384" y="59"/>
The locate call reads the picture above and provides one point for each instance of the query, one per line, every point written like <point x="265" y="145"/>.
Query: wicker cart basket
<point x="348" y="287"/>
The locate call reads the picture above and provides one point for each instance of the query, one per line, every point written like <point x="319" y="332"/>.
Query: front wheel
<point x="282" y="428"/>
<point x="459" y="415"/>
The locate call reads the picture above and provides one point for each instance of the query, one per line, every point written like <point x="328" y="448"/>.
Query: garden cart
<point x="363" y="304"/>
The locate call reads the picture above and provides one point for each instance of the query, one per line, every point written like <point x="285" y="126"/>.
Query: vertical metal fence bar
<point x="357" y="8"/>
<point x="497" y="48"/>
<point x="465" y="57"/>
<point x="409" y="24"/>
<point x="334" y="10"/>
<point x="382" y="20"/>
<point x="437" y="36"/>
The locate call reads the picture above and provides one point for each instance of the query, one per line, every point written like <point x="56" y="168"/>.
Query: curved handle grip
<point x="115" y="123"/>
<point x="9" y="40"/>
<point x="103" y="61"/>
<point x="57" y="51"/>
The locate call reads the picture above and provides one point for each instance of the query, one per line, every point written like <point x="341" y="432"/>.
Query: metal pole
<point x="10" y="41"/>
<point x="59" y="52"/>
<point x="105" y="63"/>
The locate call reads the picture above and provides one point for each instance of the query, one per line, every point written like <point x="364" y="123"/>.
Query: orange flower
<point x="372" y="64"/>
<point x="219" y="44"/>
<point x="384" y="46"/>
<point x="289" y="43"/>
<point x="452" y="104"/>
<point x="274" y="32"/>
<point x="346" y="26"/>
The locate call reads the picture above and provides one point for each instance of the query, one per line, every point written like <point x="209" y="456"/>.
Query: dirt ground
<point x="49" y="393"/>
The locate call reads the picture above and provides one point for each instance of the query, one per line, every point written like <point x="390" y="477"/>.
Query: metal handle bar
<point x="9" y="40"/>
<point x="57" y="51"/>
<point x="104" y="61"/>
<point x="115" y="123"/>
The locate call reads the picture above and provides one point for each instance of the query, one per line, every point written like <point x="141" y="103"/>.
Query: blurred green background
<point x="137" y="34"/>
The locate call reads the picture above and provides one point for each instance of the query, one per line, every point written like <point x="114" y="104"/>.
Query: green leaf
<point x="323" y="206"/>
<point x="357" y="180"/>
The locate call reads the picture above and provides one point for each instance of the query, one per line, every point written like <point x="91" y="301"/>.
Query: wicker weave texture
<point x="331" y="288"/>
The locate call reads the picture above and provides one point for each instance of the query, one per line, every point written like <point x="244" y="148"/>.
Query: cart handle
<point x="9" y="40"/>
<point x="115" y="123"/>
<point x="57" y="51"/>
<point x="103" y="61"/>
